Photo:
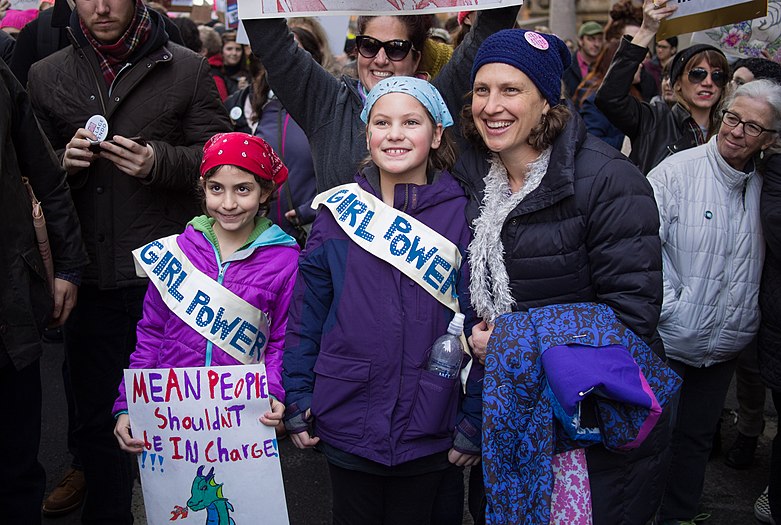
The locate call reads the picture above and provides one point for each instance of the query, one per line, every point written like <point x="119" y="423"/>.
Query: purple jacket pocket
<point x="434" y="408"/>
<point x="340" y="401"/>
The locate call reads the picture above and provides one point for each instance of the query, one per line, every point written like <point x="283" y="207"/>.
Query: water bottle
<point x="447" y="351"/>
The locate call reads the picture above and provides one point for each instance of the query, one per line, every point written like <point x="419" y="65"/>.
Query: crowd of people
<point x="605" y="219"/>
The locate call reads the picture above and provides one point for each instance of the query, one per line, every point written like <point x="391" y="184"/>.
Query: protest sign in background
<point x="696" y="15"/>
<point x="276" y="8"/>
<point x="750" y="38"/>
<point x="23" y="5"/>
<point x="206" y="454"/>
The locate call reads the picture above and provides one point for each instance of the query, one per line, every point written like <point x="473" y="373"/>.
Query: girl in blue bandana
<point x="362" y="321"/>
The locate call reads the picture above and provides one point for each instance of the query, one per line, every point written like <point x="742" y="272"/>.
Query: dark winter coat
<point x="770" y="287"/>
<point x="656" y="131"/>
<point x="328" y="109"/>
<point x="590" y="233"/>
<point x="25" y="303"/>
<point x="358" y="335"/>
<point x="168" y="98"/>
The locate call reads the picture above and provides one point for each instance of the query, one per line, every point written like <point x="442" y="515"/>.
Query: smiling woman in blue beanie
<point x="559" y="217"/>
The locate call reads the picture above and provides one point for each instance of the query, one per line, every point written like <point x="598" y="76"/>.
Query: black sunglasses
<point x="698" y="74"/>
<point x="395" y="50"/>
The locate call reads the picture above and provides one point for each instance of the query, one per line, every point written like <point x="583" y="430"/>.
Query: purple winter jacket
<point x="265" y="279"/>
<point x="359" y="334"/>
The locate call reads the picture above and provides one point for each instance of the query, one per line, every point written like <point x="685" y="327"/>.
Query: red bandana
<point x="245" y="151"/>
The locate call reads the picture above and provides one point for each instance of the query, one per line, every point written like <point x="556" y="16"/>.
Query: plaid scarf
<point x="113" y="57"/>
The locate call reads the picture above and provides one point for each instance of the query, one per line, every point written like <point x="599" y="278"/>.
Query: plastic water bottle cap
<point x="456" y="326"/>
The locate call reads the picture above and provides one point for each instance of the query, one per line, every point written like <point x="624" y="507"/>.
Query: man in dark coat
<point x="121" y="65"/>
<point x="26" y="305"/>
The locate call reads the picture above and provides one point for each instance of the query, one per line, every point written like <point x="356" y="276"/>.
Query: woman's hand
<point x="654" y="11"/>
<point x="124" y="436"/>
<point x="478" y="341"/>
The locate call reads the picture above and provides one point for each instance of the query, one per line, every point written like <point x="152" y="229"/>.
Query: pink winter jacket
<point x="264" y="279"/>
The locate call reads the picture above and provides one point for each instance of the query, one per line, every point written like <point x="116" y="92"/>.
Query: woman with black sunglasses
<point x="698" y="75"/>
<point x="328" y="108"/>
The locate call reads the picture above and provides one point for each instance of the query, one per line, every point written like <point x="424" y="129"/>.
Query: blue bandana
<point x="424" y="92"/>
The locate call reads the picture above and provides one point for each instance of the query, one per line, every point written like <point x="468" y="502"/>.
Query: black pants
<point x="99" y="338"/>
<point x="367" y="499"/>
<point x="24" y="480"/>
<point x="698" y="413"/>
<point x="775" y="467"/>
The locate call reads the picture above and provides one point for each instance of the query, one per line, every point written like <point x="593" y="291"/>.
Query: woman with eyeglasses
<point x="712" y="253"/>
<point x="698" y="75"/>
<point x="328" y="109"/>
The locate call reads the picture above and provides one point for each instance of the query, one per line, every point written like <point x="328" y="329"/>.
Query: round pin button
<point x="235" y="113"/>
<point x="536" y="40"/>
<point x="98" y="125"/>
<point x="708" y="214"/>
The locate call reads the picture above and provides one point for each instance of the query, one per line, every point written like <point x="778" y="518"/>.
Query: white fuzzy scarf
<point x="490" y="285"/>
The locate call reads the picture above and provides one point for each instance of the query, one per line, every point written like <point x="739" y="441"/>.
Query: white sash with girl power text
<point x="209" y="308"/>
<point x="416" y="250"/>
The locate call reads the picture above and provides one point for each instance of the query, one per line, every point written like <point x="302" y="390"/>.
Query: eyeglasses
<point x="395" y="50"/>
<point x="697" y="75"/>
<point x="749" y="128"/>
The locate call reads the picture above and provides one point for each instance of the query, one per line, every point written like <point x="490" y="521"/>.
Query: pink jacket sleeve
<point x="149" y="333"/>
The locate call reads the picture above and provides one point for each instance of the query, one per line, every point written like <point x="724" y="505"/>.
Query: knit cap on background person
<point x="433" y="58"/>
<point x="540" y="56"/>
<point x="682" y="58"/>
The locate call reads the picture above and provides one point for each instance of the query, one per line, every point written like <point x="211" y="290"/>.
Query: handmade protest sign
<point x="249" y="9"/>
<point x="750" y="38"/>
<point x="206" y="454"/>
<point x="695" y="15"/>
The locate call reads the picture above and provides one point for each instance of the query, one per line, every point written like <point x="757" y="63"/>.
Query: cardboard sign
<point x="249" y="9"/>
<point x="759" y="37"/>
<point x="206" y="454"/>
<point x="696" y="15"/>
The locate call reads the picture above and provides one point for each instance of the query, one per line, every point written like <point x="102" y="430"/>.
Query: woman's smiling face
<point x="372" y="70"/>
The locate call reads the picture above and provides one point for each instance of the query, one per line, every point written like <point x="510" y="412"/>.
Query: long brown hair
<point x="596" y="76"/>
<point x="715" y="60"/>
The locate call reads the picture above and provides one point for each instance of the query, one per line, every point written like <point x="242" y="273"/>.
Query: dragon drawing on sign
<point x="206" y="494"/>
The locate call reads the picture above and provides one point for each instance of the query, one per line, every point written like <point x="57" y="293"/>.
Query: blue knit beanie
<point x="540" y="56"/>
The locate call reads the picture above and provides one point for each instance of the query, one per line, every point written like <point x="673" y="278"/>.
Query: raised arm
<point x="627" y="113"/>
<point x="305" y="89"/>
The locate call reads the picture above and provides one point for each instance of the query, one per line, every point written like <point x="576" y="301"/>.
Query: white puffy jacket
<point x="712" y="253"/>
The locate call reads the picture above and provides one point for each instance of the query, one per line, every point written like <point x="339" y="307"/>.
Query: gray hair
<point x="762" y="90"/>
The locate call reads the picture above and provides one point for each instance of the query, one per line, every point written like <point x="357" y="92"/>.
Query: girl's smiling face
<point x="400" y="135"/>
<point x="233" y="198"/>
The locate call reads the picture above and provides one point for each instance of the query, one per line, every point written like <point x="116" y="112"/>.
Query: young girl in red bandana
<point x="244" y="252"/>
